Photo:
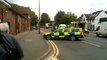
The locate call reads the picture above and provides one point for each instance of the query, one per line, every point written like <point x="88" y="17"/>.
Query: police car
<point x="72" y="33"/>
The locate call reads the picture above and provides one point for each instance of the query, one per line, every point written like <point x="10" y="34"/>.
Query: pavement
<point x="33" y="45"/>
<point x="92" y="32"/>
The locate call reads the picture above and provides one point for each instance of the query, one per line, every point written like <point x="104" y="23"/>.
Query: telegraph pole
<point x="39" y="17"/>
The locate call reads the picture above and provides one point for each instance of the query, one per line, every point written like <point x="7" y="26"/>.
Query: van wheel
<point x="106" y="34"/>
<point x="48" y="37"/>
<point x="97" y="34"/>
<point x="72" y="38"/>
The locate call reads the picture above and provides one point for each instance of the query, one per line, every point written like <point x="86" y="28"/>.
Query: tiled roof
<point x="91" y="16"/>
<point x="87" y="16"/>
<point x="21" y="9"/>
<point x="25" y="11"/>
<point x="5" y="2"/>
<point x="106" y="12"/>
<point x="95" y="14"/>
<point x="16" y="12"/>
<point x="79" y="19"/>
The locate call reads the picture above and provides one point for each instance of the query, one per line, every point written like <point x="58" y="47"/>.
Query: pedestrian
<point x="4" y="32"/>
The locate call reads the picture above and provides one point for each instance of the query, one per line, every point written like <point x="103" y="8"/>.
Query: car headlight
<point x="46" y="33"/>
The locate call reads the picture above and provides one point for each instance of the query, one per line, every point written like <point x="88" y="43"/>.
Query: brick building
<point x="17" y="18"/>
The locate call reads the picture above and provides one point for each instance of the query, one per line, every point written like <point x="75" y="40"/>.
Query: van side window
<point x="98" y="28"/>
<point x="75" y="30"/>
<point x="67" y="30"/>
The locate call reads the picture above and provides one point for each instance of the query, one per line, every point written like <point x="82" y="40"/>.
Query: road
<point x="88" y="48"/>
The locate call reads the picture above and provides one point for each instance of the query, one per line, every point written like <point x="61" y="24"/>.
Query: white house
<point x="93" y="20"/>
<point x="85" y="18"/>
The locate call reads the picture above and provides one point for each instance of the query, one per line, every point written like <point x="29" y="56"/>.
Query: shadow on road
<point x="62" y="39"/>
<point x="103" y="37"/>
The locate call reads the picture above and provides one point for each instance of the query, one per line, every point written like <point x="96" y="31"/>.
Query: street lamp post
<point x="39" y="16"/>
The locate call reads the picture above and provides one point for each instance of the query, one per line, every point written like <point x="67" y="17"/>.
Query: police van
<point x="69" y="33"/>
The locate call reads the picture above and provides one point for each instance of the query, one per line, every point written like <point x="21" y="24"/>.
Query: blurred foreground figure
<point x="9" y="47"/>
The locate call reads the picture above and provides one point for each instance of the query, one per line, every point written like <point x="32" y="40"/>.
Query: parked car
<point x="33" y="27"/>
<point x="102" y="29"/>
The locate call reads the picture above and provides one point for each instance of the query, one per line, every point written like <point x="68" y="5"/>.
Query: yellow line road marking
<point x="55" y="51"/>
<point x="52" y="48"/>
<point x="91" y="44"/>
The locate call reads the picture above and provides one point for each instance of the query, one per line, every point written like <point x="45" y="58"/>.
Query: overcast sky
<point x="53" y="6"/>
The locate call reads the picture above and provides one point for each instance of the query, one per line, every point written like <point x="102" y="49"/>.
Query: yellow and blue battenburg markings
<point x="59" y="34"/>
<point x="47" y="33"/>
<point x="77" y="33"/>
<point x="52" y="34"/>
<point x="66" y="34"/>
<point x="63" y="34"/>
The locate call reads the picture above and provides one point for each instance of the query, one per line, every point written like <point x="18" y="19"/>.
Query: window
<point x="67" y="30"/>
<point x="8" y="23"/>
<point x="98" y="28"/>
<point x="0" y="21"/>
<point x="75" y="30"/>
<point x="92" y="20"/>
<point x="59" y="30"/>
<point x="103" y="20"/>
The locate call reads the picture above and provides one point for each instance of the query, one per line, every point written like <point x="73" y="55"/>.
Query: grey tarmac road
<point x="88" y="48"/>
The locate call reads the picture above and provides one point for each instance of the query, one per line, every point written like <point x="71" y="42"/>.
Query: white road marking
<point x="91" y="44"/>
<point x="28" y="40"/>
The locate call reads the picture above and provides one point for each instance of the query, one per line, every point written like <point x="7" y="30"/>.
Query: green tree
<point x="33" y="19"/>
<point x="59" y="17"/>
<point x="63" y="18"/>
<point x="69" y="17"/>
<point x="44" y="19"/>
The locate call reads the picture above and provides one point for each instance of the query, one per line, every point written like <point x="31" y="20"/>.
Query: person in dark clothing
<point x="4" y="30"/>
